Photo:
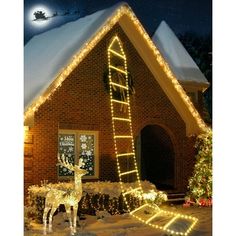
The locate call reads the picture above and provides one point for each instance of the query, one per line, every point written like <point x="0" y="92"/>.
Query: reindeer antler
<point x="81" y="163"/>
<point x="63" y="161"/>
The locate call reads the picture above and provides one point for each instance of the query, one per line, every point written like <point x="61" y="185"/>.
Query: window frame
<point x="77" y="148"/>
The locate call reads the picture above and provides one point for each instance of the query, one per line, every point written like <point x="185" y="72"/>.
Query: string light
<point x="65" y="72"/>
<point x="118" y="69"/>
<point x="113" y="50"/>
<point x="138" y="191"/>
<point x="116" y="53"/>
<point x="168" y="213"/>
<point x="125" y="154"/>
<point x="122" y="136"/>
<point x="101" y="32"/>
<point x="128" y="172"/>
<point x="55" y="197"/>
<point x="118" y="101"/>
<point x="120" y="119"/>
<point x="119" y="85"/>
<point x="26" y="131"/>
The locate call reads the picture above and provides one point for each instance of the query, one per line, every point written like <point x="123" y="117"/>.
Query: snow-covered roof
<point x="50" y="57"/>
<point x="46" y="55"/>
<point x="179" y="60"/>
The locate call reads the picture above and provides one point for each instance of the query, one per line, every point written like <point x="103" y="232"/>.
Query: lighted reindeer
<point x="55" y="197"/>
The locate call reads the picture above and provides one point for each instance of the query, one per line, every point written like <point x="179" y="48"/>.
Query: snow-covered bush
<point x="154" y="197"/>
<point x="27" y="217"/>
<point x="97" y="196"/>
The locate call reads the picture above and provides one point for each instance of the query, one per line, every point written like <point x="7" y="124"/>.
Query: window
<point x="76" y="144"/>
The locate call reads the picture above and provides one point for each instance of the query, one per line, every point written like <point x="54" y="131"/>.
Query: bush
<point x="97" y="196"/>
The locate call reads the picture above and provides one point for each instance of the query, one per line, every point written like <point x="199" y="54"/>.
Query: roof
<point x="179" y="60"/>
<point x="50" y="57"/>
<point x="46" y="54"/>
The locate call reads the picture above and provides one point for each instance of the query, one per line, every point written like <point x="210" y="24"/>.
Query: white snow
<point x="179" y="60"/>
<point x="113" y="189"/>
<point x="123" y="225"/>
<point x="45" y="55"/>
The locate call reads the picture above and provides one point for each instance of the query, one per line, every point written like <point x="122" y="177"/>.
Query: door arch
<point x="157" y="157"/>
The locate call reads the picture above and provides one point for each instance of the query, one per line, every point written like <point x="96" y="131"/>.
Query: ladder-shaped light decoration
<point x="115" y="55"/>
<point x="125" y="151"/>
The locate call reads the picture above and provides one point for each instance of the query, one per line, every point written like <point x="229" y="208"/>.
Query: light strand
<point x="145" y="205"/>
<point x="101" y="32"/>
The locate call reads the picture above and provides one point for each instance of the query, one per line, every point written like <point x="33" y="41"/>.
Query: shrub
<point x="97" y="196"/>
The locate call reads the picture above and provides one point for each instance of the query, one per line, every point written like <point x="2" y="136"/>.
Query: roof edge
<point x="199" y="86"/>
<point x="121" y="9"/>
<point x="191" y="117"/>
<point x="157" y="65"/>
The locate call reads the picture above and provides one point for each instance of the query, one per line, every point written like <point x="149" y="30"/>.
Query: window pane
<point x="66" y="147"/>
<point x="86" y="152"/>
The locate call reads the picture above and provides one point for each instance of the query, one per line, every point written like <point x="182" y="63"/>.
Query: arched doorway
<point x="157" y="157"/>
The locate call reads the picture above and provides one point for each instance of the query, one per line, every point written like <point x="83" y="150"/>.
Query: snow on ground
<point x="124" y="225"/>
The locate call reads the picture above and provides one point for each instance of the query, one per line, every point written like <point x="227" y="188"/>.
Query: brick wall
<point x="82" y="103"/>
<point x="28" y="160"/>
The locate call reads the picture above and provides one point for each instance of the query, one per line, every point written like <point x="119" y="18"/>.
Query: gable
<point x="181" y="63"/>
<point x="48" y="54"/>
<point x="149" y="97"/>
<point x="150" y="55"/>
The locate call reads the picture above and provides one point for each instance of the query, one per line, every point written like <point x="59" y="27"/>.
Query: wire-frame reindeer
<point x="69" y="199"/>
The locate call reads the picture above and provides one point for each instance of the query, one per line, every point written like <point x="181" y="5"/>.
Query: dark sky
<point x="181" y="15"/>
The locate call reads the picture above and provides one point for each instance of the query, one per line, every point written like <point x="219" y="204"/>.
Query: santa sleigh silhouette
<point x="39" y="15"/>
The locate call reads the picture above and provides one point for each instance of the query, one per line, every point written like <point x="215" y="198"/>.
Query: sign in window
<point x="75" y="145"/>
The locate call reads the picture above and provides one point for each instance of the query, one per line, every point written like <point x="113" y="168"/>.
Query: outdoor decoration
<point x="111" y="21"/>
<point x="69" y="199"/>
<point x="200" y="184"/>
<point x="119" y="77"/>
<point x="146" y="210"/>
<point x="85" y="149"/>
<point x="97" y="196"/>
<point x="86" y="152"/>
<point x="155" y="197"/>
<point x="66" y="147"/>
<point x="147" y="213"/>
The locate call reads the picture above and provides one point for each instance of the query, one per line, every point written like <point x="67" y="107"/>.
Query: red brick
<point x="83" y="103"/>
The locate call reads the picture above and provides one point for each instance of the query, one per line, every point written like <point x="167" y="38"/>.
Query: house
<point x="67" y="106"/>
<point x="181" y="64"/>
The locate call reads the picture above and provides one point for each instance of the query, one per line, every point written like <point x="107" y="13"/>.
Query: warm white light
<point x="138" y="191"/>
<point x="123" y="10"/>
<point x="55" y="197"/>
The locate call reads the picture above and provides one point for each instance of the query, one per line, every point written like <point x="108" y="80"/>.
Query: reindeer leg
<point x="45" y="214"/>
<point x="50" y="217"/>
<point x="75" y="209"/>
<point x="68" y="212"/>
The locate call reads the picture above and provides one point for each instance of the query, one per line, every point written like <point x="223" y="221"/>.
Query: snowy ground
<point x="124" y="225"/>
